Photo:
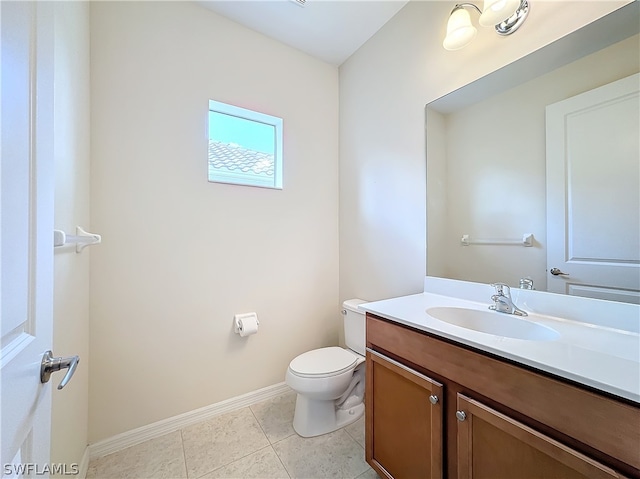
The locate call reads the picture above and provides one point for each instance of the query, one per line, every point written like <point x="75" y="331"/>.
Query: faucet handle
<point x="526" y="283"/>
<point x="500" y="289"/>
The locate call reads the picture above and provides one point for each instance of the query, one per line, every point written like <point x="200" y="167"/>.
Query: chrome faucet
<point x="526" y="283"/>
<point x="503" y="302"/>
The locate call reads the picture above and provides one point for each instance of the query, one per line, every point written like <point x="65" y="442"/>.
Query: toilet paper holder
<point x="239" y="318"/>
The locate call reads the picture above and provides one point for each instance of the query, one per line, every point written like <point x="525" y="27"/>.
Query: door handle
<point x="557" y="272"/>
<point x="51" y="365"/>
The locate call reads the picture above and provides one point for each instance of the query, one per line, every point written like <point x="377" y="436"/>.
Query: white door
<point x="26" y="239"/>
<point x="593" y="193"/>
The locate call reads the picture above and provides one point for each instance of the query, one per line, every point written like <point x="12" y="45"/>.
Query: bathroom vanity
<point x="446" y="399"/>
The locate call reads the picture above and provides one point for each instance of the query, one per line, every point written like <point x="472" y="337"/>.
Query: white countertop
<point x="596" y="355"/>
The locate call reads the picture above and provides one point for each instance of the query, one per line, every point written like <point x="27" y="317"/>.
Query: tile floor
<point x="254" y="442"/>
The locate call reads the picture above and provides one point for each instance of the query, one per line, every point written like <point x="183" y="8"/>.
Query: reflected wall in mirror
<point x="486" y="164"/>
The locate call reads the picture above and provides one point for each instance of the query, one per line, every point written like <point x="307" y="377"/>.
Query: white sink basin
<point x="491" y="322"/>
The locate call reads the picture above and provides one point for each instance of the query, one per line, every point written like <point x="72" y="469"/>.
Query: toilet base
<point x="316" y="417"/>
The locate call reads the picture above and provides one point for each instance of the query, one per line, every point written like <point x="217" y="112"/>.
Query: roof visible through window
<point x="245" y="147"/>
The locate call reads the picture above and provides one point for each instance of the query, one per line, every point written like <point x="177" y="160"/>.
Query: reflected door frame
<point x="593" y="169"/>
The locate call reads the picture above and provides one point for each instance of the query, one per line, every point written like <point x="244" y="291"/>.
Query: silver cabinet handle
<point x="433" y="399"/>
<point x="558" y="272"/>
<point x="51" y="365"/>
<point x="461" y="415"/>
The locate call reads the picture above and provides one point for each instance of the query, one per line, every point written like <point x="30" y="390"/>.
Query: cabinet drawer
<point x="598" y="421"/>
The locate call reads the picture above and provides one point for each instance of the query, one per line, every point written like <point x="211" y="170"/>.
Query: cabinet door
<point x="403" y="420"/>
<point x="494" y="446"/>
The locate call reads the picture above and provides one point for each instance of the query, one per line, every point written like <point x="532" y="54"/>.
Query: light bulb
<point x="460" y="31"/>
<point x="497" y="11"/>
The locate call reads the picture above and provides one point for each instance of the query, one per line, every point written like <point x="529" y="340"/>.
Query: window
<point x="245" y="147"/>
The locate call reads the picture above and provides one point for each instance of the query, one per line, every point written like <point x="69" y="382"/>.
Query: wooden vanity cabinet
<point x="408" y="420"/>
<point x="491" y="418"/>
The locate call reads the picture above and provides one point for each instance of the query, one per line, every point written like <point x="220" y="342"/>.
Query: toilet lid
<point x="323" y="362"/>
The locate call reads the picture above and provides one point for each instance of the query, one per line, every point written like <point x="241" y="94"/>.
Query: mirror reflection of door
<point x="593" y="170"/>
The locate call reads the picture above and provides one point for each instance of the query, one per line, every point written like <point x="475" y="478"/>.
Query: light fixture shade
<point x="496" y="11"/>
<point x="460" y="31"/>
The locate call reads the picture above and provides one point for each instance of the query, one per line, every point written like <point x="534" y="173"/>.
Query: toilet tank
<point x="354" y="325"/>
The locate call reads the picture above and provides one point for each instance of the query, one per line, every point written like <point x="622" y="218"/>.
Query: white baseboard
<point x="160" y="428"/>
<point x="84" y="464"/>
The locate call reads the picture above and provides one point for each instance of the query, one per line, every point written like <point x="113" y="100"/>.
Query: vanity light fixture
<point x="505" y="15"/>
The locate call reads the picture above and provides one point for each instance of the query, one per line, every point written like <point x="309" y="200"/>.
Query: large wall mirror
<point x="534" y="168"/>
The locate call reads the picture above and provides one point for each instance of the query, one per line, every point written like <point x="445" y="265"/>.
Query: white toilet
<point x="330" y="381"/>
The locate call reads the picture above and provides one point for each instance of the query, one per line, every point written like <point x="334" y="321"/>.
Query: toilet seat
<point x="323" y="362"/>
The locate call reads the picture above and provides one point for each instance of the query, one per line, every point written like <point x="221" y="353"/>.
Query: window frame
<point x="249" y="179"/>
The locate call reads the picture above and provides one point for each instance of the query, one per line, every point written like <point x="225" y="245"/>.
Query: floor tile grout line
<point x="265" y="433"/>
<point x="240" y="458"/>
<point x="283" y="438"/>
<point x="184" y="455"/>
<point x="236" y="460"/>
<point x="259" y="425"/>
<point x="351" y="435"/>
<point x="280" y="459"/>
<point x="344" y="429"/>
<point x="270" y="443"/>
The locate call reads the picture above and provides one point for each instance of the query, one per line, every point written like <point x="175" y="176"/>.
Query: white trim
<point x="17" y="345"/>
<point x="83" y="468"/>
<point x="165" y="426"/>
<point x="252" y="115"/>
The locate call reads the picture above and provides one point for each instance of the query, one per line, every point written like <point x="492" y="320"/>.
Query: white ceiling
<point x="330" y="30"/>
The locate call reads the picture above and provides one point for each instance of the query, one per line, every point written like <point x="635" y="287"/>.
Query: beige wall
<point x="500" y="191"/>
<point x="71" y="281"/>
<point x="384" y="87"/>
<point x="180" y="256"/>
